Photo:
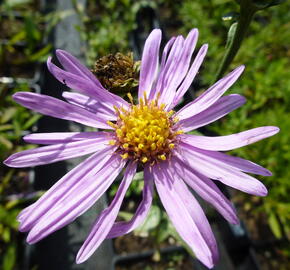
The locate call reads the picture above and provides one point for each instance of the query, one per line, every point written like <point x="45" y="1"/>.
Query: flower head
<point x="149" y="134"/>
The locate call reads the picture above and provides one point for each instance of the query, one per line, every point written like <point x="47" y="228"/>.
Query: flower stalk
<point x="237" y="34"/>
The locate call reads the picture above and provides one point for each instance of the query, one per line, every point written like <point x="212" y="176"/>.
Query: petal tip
<point x="49" y="63"/>
<point x="18" y="95"/>
<point x="156" y="32"/>
<point x="80" y="258"/>
<point x="204" y="49"/>
<point x="276" y="129"/>
<point x="262" y="191"/>
<point x="32" y="238"/>
<point x="235" y="221"/>
<point x="268" y="173"/>
<point x="59" y="52"/>
<point x="193" y="31"/>
<point x="9" y="161"/>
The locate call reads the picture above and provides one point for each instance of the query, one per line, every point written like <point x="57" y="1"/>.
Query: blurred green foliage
<point x="14" y="122"/>
<point x="23" y="29"/>
<point x="24" y="32"/>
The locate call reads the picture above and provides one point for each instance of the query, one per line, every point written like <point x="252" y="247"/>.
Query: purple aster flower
<point x="149" y="135"/>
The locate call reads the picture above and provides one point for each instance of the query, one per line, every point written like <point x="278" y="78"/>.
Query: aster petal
<point x="169" y="68"/>
<point x="149" y="63"/>
<point x="121" y="227"/>
<point x="165" y="52"/>
<point x="84" y="85"/>
<point x="180" y="69"/>
<point x="77" y="176"/>
<point x="77" y="201"/>
<point x="101" y="109"/>
<point x="210" y="96"/>
<point x="198" y="217"/>
<point x="206" y="189"/>
<point x="229" y="142"/>
<point x="106" y="219"/>
<point x="162" y="65"/>
<point x="53" y="153"/>
<point x="21" y="216"/>
<point x="190" y="75"/>
<point x="73" y="65"/>
<point x="59" y="109"/>
<point x="237" y="163"/>
<point x="216" y="111"/>
<point x="64" y="137"/>
<point x="216" y="170"/>
<point x="181" y="216"/>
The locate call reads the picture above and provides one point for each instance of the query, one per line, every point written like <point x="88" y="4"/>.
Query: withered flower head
<point x="118" y="72"/>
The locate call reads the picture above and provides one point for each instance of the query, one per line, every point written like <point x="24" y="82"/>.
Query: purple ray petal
<point x="162" y="65"/>
<point x="190" y="75"/>
<point x="101" y="109"/>
<point x="166" y="74"/>
<point x="210" y="96"/>
<point x="64" y="137"/>
<point x="77" y="201"/>
<point x="216" y="170"/>
<point x="121" y="227"/>
<point x="181" y="68"/>
<point x="198" y="217"/>
<point x="181" y="216"/>
<point x="149" y="62"/>
<point x="106" y="219"/>
<point x="84" y="85"/>
<point x="56" y="152"/>
<point x="77" y="176"/>
<point x="72" y="64"/>
<point x="23" y="214"/>
<point x="206" y="189"/>
<point x="216" y="111"/>
<point x="59" y="109"/>
<point x="236" y="162"/>
<point x="165" y="52"/>
<point x="229" y="142"/>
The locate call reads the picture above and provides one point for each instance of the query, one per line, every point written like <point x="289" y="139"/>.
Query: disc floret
<point x="145" y="131"/>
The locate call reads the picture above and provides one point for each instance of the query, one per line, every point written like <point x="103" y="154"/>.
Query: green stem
<point x="247" y="11"/>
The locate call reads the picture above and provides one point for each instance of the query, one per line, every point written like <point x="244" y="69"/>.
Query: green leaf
<point x="9" y="257"/>
<point x="152" y="221"/>
<point x="6" y="235"/>
<point x="275" y="226"/>
<point x="231" y="34"/>
<point x="31" y="121"/>
<point x="8" y="114"/>
<point x="14" y="3"/>
<point x="41" y="53"/>
<point x="125" y="215"/>
<point x="5" y="142"/>
<point x="5" y="127"/>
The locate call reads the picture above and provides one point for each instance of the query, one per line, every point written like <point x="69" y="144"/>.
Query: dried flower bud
<point x="118" y="73"/>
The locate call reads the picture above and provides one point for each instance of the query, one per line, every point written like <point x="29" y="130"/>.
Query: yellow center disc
<point x="144" y="132"/>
